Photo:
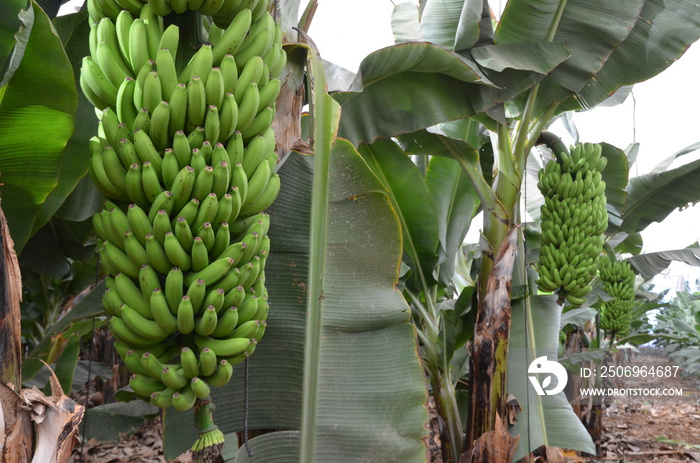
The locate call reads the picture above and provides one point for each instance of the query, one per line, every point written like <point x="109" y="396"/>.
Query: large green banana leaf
<point x="37" y="113"/>
<point x="372" y="395"/>
<point x="73" y="30"/>
<point x="662" y="33"/>
<point x="591" y="28"/>
<point x="652" y="197"/>
<point x="544" y="420"/>
<point x="62" y="226"/>
<point x="412" y="201"/>
<point x="410" y="86"/>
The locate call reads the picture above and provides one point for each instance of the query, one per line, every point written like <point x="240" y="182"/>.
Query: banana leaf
<point x="415" y="85"/>
<point x="591" y="28"/>
<point x="412" y="202"/>
<point x="651" y="264"/>
<point x="372" y="396"/>
<point x="65" y="202"/>
<point x="652" y="197"/>
<point x="405" y="23"/>
<point x="544" y="420"/>
<point x="37" y="114"/>
<point x="456" y="202"/>
<point x="441" y="18"/>
<point x="662" y="33"/>
<point x="15" y="27"/>
<point x="63" y="223"/>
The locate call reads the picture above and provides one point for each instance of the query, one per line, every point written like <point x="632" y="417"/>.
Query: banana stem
<point x="191" y="35"/>
<point x="446" y="404"/>
<point x="207" y="447"/>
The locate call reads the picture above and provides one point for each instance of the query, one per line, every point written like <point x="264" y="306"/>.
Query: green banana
<point x="177" y="255"/>
<point x="141" y="325"/>
<point x="151" y="364"/>
<point x="174" y="378"/>
<point x="161" y="311"/>
<point x="97" y="82"/>
<point x="200" y="255"/>
<point x="182" y="187"/>
<point x="203" y="183"/>
<point x="200" y="387"/>
<point x="248" y="105"/>
<point x="163" y="399"/>
<point x="197" y="292"/>
<point x="184" y="399"/>
<point x="232" y="37"/>
<point x="174" y="288"/>
<point x="199" y="66"/>
<point x="156" y="254"/>
<point x="126" y="111"/>
<point x="226" y="323"/>
<point x="144" y="385"/>
<point x="206" y="233"/>
<point x="189" y="211"/>
<point x="206" y="323"/>
<point x="132" y="360"/>
<point x="212" y="124"/>
<point x="247" y="309"/>
<point x="212" y="273"/>
<point x="188" y="360"/>
<point x="138" y="53"/>
<point x="223" y="347"/>
<point x="183" y="233"/>
<point x="229" y="72"/>
<point x="185" y="315"/>
<point x="207" y="362"/>
<point x="260" y="123"/>
<point x="170" y="40"/>
<point x="235" y="297"/>
<point x="222" y="375"/>
<point x="148" y="281"/>
<point x="196" y="104"/>
<point x="122" y="333"/>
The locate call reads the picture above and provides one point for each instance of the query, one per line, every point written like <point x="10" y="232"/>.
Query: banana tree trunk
<point x="486" y="438"/>
<point x="56" y="418"/>
<point x="10" y="297"/>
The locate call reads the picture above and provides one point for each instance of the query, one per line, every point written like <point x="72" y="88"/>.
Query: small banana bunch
<point x="574" y="219"/>
<point x="186" y="158"/>
<point x="618" y="281"/>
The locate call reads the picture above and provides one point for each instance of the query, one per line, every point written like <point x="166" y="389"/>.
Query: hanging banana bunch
<point x="574" y="219"/>
<point x="186" y="159"/>
<point x="618" y="281"/>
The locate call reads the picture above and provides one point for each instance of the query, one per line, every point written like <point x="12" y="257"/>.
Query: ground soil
<point x="635" y="427"/>
<point x="632" y="427"/>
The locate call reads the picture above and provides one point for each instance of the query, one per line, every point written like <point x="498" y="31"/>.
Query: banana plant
<point x="540" y="61"/>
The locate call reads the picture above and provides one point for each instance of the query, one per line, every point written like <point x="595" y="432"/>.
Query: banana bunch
<point x="185" y="156"/>
<point x="221" y="11"/>
<point x="618" y="281"/>
<point x="574" y="219"/>
<point x="132" y="67"/>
